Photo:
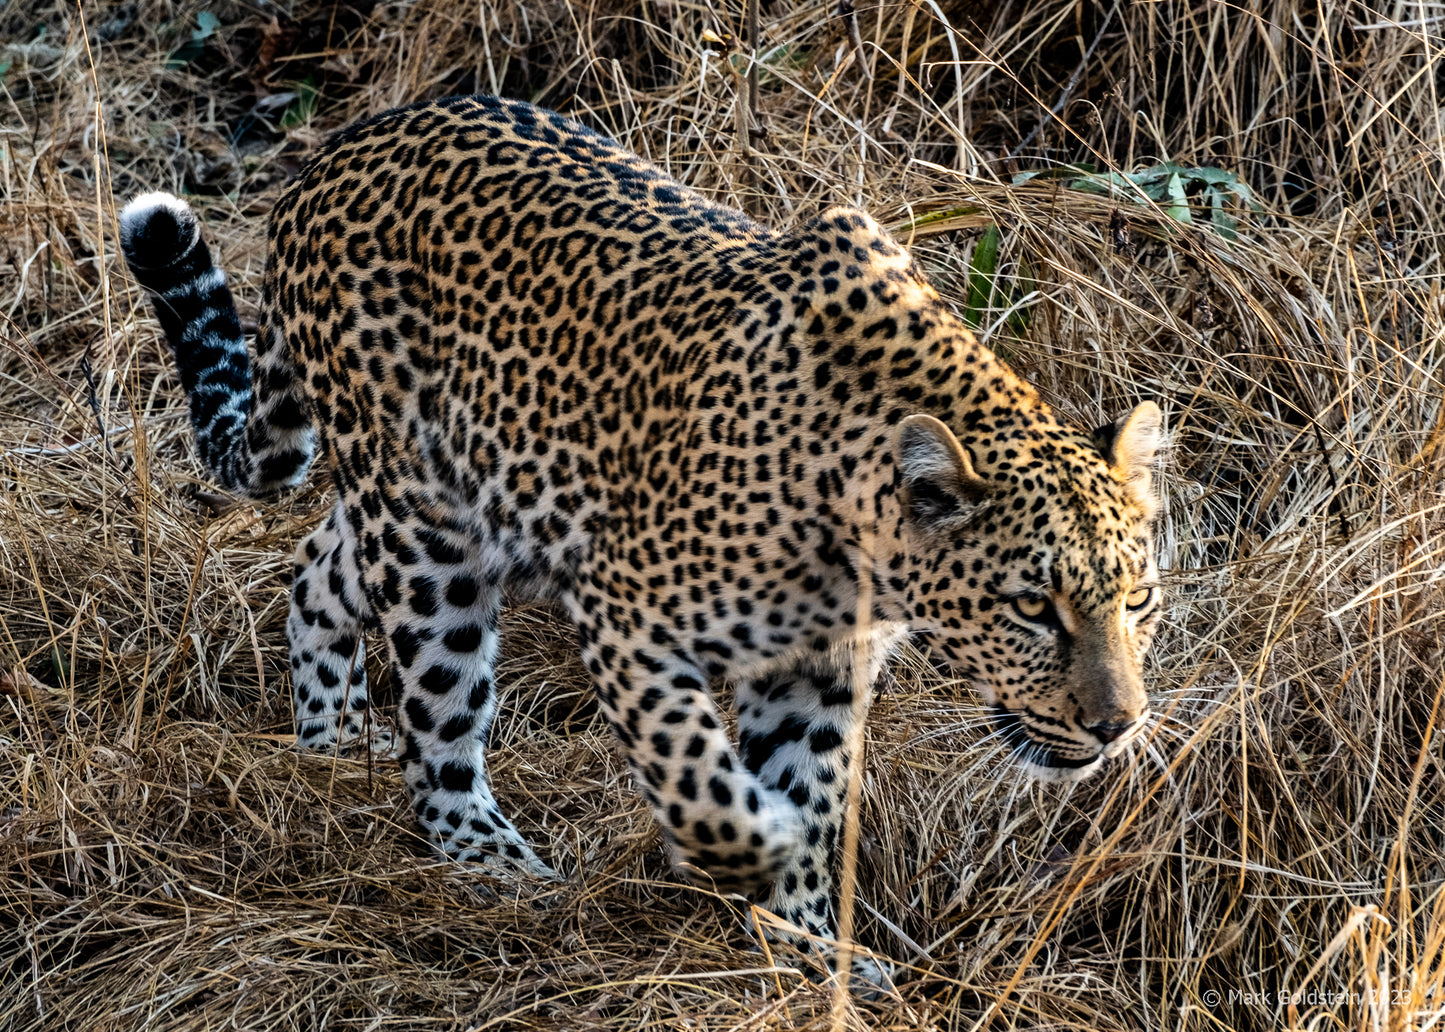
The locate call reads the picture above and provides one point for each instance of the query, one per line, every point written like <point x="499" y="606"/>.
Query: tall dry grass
<point x="1273" y="856"/>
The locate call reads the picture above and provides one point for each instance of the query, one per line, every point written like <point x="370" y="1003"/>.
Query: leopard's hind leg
<point x="440" y="615"/>
<point x="328" y="650"/>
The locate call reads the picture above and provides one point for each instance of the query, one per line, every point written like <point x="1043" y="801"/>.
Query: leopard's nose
<point x="1109" y="732"/>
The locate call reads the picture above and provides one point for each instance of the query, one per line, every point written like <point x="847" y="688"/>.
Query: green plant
<point x="990" y="291"/>
<point x="1189" y="195"/>
<point x="207" y="25"/>
<point x="300" y="111"/>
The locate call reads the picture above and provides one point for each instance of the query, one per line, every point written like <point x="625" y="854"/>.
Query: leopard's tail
<point x="252" y="420"/>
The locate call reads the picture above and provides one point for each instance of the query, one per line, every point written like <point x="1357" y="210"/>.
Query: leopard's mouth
<point x="1040" y="758"/>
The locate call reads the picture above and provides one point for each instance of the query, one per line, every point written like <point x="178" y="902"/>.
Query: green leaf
<point x="185" y="54"/>
<point x="60" y="664"/>
<point x="1177" y="203"/>
<point x="1095" y="185"/>
<point x="947" y="213"/>
<point x="1024" y="284"/>
<point x="981" y="270"/>
<point x="300" y="111"/>
<point x="208" y="24"/>
<point x="1224" y="224"/>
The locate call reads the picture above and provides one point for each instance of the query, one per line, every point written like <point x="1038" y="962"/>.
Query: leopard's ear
<point x="940" y="487"/>
<point x="1130" y="444"/>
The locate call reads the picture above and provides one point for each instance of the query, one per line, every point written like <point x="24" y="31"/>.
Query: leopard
<point x="736" y="457"/>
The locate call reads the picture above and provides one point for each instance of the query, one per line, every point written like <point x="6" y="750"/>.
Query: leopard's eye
<point x="1139" y="598"/>
<point x="1034" y="609"/>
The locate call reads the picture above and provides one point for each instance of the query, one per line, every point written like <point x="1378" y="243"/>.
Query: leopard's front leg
<point x="795" y="723"/>
<point x="715" y="813"/>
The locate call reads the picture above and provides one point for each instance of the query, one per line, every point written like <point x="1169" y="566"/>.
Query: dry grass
<point x="165" y="862"/>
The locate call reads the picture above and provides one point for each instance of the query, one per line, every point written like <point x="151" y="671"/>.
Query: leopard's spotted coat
<point x="538" y="363"/>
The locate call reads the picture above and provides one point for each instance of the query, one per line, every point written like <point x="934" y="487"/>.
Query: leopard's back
<point x="504" y="311"/>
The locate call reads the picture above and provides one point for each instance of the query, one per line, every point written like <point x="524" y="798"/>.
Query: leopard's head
<point x="1028" y="565"/>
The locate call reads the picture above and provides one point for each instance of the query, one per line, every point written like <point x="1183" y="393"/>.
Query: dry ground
<point x="166" y="862"/>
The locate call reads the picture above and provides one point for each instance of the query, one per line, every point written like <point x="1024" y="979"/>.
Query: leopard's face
<point x="1053" y="637"/>
<point x="1030" y="571"/>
